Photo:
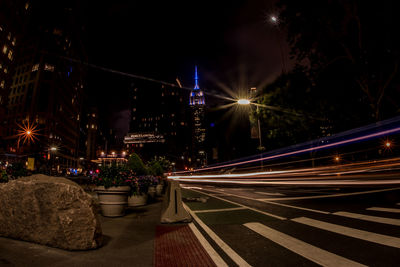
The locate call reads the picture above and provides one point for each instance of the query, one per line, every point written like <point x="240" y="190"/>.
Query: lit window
<point x="35" y="67"/>
<point x="92" y="126"/>
<point x="9" y="36"/>
<point x="2" y="84"/>
<point x="26" y="5"/>
<point x="1" y="29"/>
<point x="48" y="67"/>
<point x="78" y="118"/>
<point x="10" y="54"/>
<point x="14" y="41"/>
<point x="5" y="70"/>
<point x="5" y="49"/>
<point x="94" y="115"/>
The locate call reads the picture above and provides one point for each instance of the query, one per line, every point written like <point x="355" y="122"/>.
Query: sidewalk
<point x="137" y="239"/>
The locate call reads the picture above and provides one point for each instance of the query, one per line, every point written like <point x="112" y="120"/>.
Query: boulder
<point x="51" y="211"/>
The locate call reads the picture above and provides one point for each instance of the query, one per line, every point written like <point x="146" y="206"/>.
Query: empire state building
<point x="197" y="108"/>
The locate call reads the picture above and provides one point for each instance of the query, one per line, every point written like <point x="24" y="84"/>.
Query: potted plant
<point x="157" y="167"/>
<point x="112" y="187"/>
<point x="139" y="189"/>
<point x="153" y="182"/>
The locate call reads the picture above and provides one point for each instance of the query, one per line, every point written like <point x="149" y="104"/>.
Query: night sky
<point x="230" y="42"/>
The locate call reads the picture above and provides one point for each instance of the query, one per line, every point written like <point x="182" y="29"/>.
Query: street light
<point x="274" y="19"/>
<point x="244" y="101"/>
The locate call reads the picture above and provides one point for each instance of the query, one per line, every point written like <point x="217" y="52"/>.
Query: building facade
<point x="13" y="15"/>
<point x="46" y="88"/>
<point x="158" y="124"/>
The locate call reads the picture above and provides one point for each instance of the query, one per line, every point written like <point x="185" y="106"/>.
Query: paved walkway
<point x="137" y="239"/>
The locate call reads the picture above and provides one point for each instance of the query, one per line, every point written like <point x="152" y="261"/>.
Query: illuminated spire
<point x="196" y="78"/>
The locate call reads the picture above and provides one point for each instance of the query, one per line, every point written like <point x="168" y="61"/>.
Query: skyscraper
<point x="158" y="124"/>
<point x="197" y="110"/>
<point x="46" y="88"/>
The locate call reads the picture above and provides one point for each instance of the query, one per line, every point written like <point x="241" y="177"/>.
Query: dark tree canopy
<point x="346" y="71"/>
<point x="348" y="46"/>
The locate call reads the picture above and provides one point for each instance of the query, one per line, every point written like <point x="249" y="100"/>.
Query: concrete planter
<point x="159" y="189"/>
<point x="113" y="200"/>
<point x="152" y="191"/>
<point x="137" y="200"/>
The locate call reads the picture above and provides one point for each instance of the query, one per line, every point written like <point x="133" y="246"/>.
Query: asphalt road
<point x="298" y="225"/>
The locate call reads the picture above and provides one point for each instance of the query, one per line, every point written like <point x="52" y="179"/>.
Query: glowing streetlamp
<point x="274" y="19"/>
<point x="243" y="101"/>
<point x="27" y="133"/>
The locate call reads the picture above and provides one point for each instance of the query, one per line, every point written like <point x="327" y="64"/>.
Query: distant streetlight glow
<point x="27" y="132"/>
<point x="53" y="148"/>
<point x="274" y="19"/>
<point x="388" y="144"/>
<point x="243" y="101"/>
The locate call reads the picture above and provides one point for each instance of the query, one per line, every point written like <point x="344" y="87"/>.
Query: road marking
<point x="368" y="218"/>
<point x="384" y="209"/>
<point x="219" y="210"/>
<point x="333" y="195"/>
<point x="347" y="231"/>
<point x="255" y="199"/>
<point x="227" y="249"/>
<point x="270" y="194"/>
<point x="241" y="205"/>
<point x="296" y="207"/>
<point x="315" y="254"/>
<point x="213" y="254"/>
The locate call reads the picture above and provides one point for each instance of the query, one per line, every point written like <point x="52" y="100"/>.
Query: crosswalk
<point x="375" y="228"/>
<point x="304" y="249"/>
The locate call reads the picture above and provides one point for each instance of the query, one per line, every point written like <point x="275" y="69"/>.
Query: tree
<point x="287" y="111"/>
<point x="350" y="53"/>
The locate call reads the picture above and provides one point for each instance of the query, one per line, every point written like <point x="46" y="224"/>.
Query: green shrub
<point x="136" y="165"/>
<point x="3" y="176"/>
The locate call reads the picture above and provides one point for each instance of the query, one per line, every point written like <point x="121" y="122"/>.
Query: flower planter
<point x="159" y="189"/>
<point x="152" y="191"/>
<point x="137" y="200"/>
<point x="113" y="200"/>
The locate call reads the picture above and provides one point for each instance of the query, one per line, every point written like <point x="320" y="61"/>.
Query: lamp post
<point x="53" y="150"/>
<point x="244" y="101"/>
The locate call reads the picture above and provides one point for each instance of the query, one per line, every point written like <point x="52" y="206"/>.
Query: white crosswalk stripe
<point x="368" y="218"/>
<point x="347" y="231"/>
<point x="384" y="209"/>
<point x="310" y="252"/>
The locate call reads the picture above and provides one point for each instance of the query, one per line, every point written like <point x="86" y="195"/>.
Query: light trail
<point x="350" y="174"/>
<point x="300" y="151"/>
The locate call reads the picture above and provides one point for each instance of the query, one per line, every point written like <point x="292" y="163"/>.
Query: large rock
<point x="51" y="211"/>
